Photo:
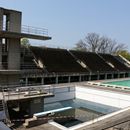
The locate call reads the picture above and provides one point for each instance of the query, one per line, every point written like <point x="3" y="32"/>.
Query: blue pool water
<point x="75" y="116"/>
<point x="81" y="111"/>
<point x="120" y="83"/>
<point x="77" y="103"/>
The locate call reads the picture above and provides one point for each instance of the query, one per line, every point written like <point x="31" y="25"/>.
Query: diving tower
<point x="11" y="32"/>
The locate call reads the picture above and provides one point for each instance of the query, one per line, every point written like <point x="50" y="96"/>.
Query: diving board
<point x="51" y="111"/>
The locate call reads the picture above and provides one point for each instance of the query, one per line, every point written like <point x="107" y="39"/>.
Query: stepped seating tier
<point x="116" y="63"/>
<point x="57" y="60"/>
<point x="93" y="61"/>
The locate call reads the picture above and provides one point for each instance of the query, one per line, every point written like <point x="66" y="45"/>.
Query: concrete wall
<point x="13" y="24"/>
<point x="9" y="79"/>
<point x="105" y="97"/>
<point x="61" y="94"/>
<point x="14" y="54"/>
<point x="36" y="105"/>
<point x="1" y="27"/>
<point x="1" y="19"/>
<point x="0" y="53"/>
<point x="15" y="21"/>
<point x="111" y="98"/>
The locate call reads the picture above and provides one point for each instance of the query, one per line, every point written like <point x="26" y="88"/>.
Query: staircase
<point x="4" y="115"/>
<point x="2" y="111"/>
<point x="1" y="105"/>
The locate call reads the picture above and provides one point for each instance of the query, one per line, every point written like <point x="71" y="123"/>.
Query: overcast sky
<point x="68" y="21"/>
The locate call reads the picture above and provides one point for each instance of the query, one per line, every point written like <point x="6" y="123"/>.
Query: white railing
<point x="34" y="30"/>
<point x="21" y="91"/>
<point x="29" y="30"/>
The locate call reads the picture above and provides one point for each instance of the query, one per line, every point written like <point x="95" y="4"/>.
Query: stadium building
<point x="38" y="84"/>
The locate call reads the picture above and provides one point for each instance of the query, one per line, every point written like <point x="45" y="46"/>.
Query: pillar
<point x="105" y="75"/>
<point x="1" y="28"/>
<point x="112" y="75"/>
<point x="98" y="76"/>
<point x="26" y="81"/>
<point x="1" y="19"/>
<point x="14" y="44"/>
<point x="79" y="78"/>
<point x="118" y="75"/>
<point x="124" y="75"/>
<point x="89" y="78"/>
<point x="14" y="54"/>
<point x="69" y="79"/>
<point x="15" y="21"/>
<point x="0" y="53"/>
<point x="42" y="81"/>
<point x="56" y="79"/>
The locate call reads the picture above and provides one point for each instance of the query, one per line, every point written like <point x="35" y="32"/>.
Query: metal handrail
<point x="29" y="30"/>
<point x="22" y="89"/>
<point x="34" y="30"/>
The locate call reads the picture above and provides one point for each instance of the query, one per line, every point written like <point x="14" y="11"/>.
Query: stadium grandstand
<point x="57" y="60"/>
<point x="54" y="65"/>
<point x="26" y="71"/>
<point x="111" y="60"/>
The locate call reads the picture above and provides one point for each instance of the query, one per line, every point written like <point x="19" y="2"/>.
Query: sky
<point x="68" y="21"/>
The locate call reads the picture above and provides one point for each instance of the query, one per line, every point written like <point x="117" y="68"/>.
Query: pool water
<point x="81" y="111"/>
<point x="75" y="116"/>
<point x="78" y="103"/>
<point x="120" y="83"/>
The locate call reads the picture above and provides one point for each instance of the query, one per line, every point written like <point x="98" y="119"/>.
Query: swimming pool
<point x="77" y="103"/>
<point x="81" y="111"/>
<point x="120" y="83"/>
<point x="76" y="116"/>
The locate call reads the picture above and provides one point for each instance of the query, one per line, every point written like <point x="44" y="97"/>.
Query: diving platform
<point x="25" y="100"/>
<point x="9" y="34"/>
<point x="25" y="93"/>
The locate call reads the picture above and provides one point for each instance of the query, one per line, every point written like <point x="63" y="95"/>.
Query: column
<point x="98" y="76"/>
<point x="14" y="54"/>
<point x="26" y="81"/>
<point x="1" y="28"/>
<point x="112" y="75"/>
<point x="118" y="75"/>
<point x="14" y="25"/>
<point x="0" y="53"/>
<point x="124" y="75"/>
<point x="1" y="19"/>
<point x="42" y="80"/>
<point x="79" y="78"/>
<point x="69" y="79"/>
<point x="56" y="79"/>
<point x="105" y="75"/>
<point x="89" y="78"/>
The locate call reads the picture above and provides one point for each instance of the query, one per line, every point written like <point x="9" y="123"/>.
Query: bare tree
<point x="93" y="42"/>
<point x="81" y="46"/>
<point x="103" y="44"/>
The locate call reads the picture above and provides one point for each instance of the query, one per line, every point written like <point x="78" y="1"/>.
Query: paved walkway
<point x="46" y="126"/>
<point x="109" y="122"/>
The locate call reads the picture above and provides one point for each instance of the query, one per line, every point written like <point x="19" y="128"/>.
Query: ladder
<point x="4" y="109"/>
<point x="1" y="105"/>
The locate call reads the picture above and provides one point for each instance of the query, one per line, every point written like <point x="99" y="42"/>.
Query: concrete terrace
<point x="109" y="123"/>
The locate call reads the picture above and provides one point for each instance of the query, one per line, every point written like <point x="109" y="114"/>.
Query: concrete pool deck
<point x="100" y="94"/>
<point x="97" y="124"/>
<point x="109" y="122"/>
